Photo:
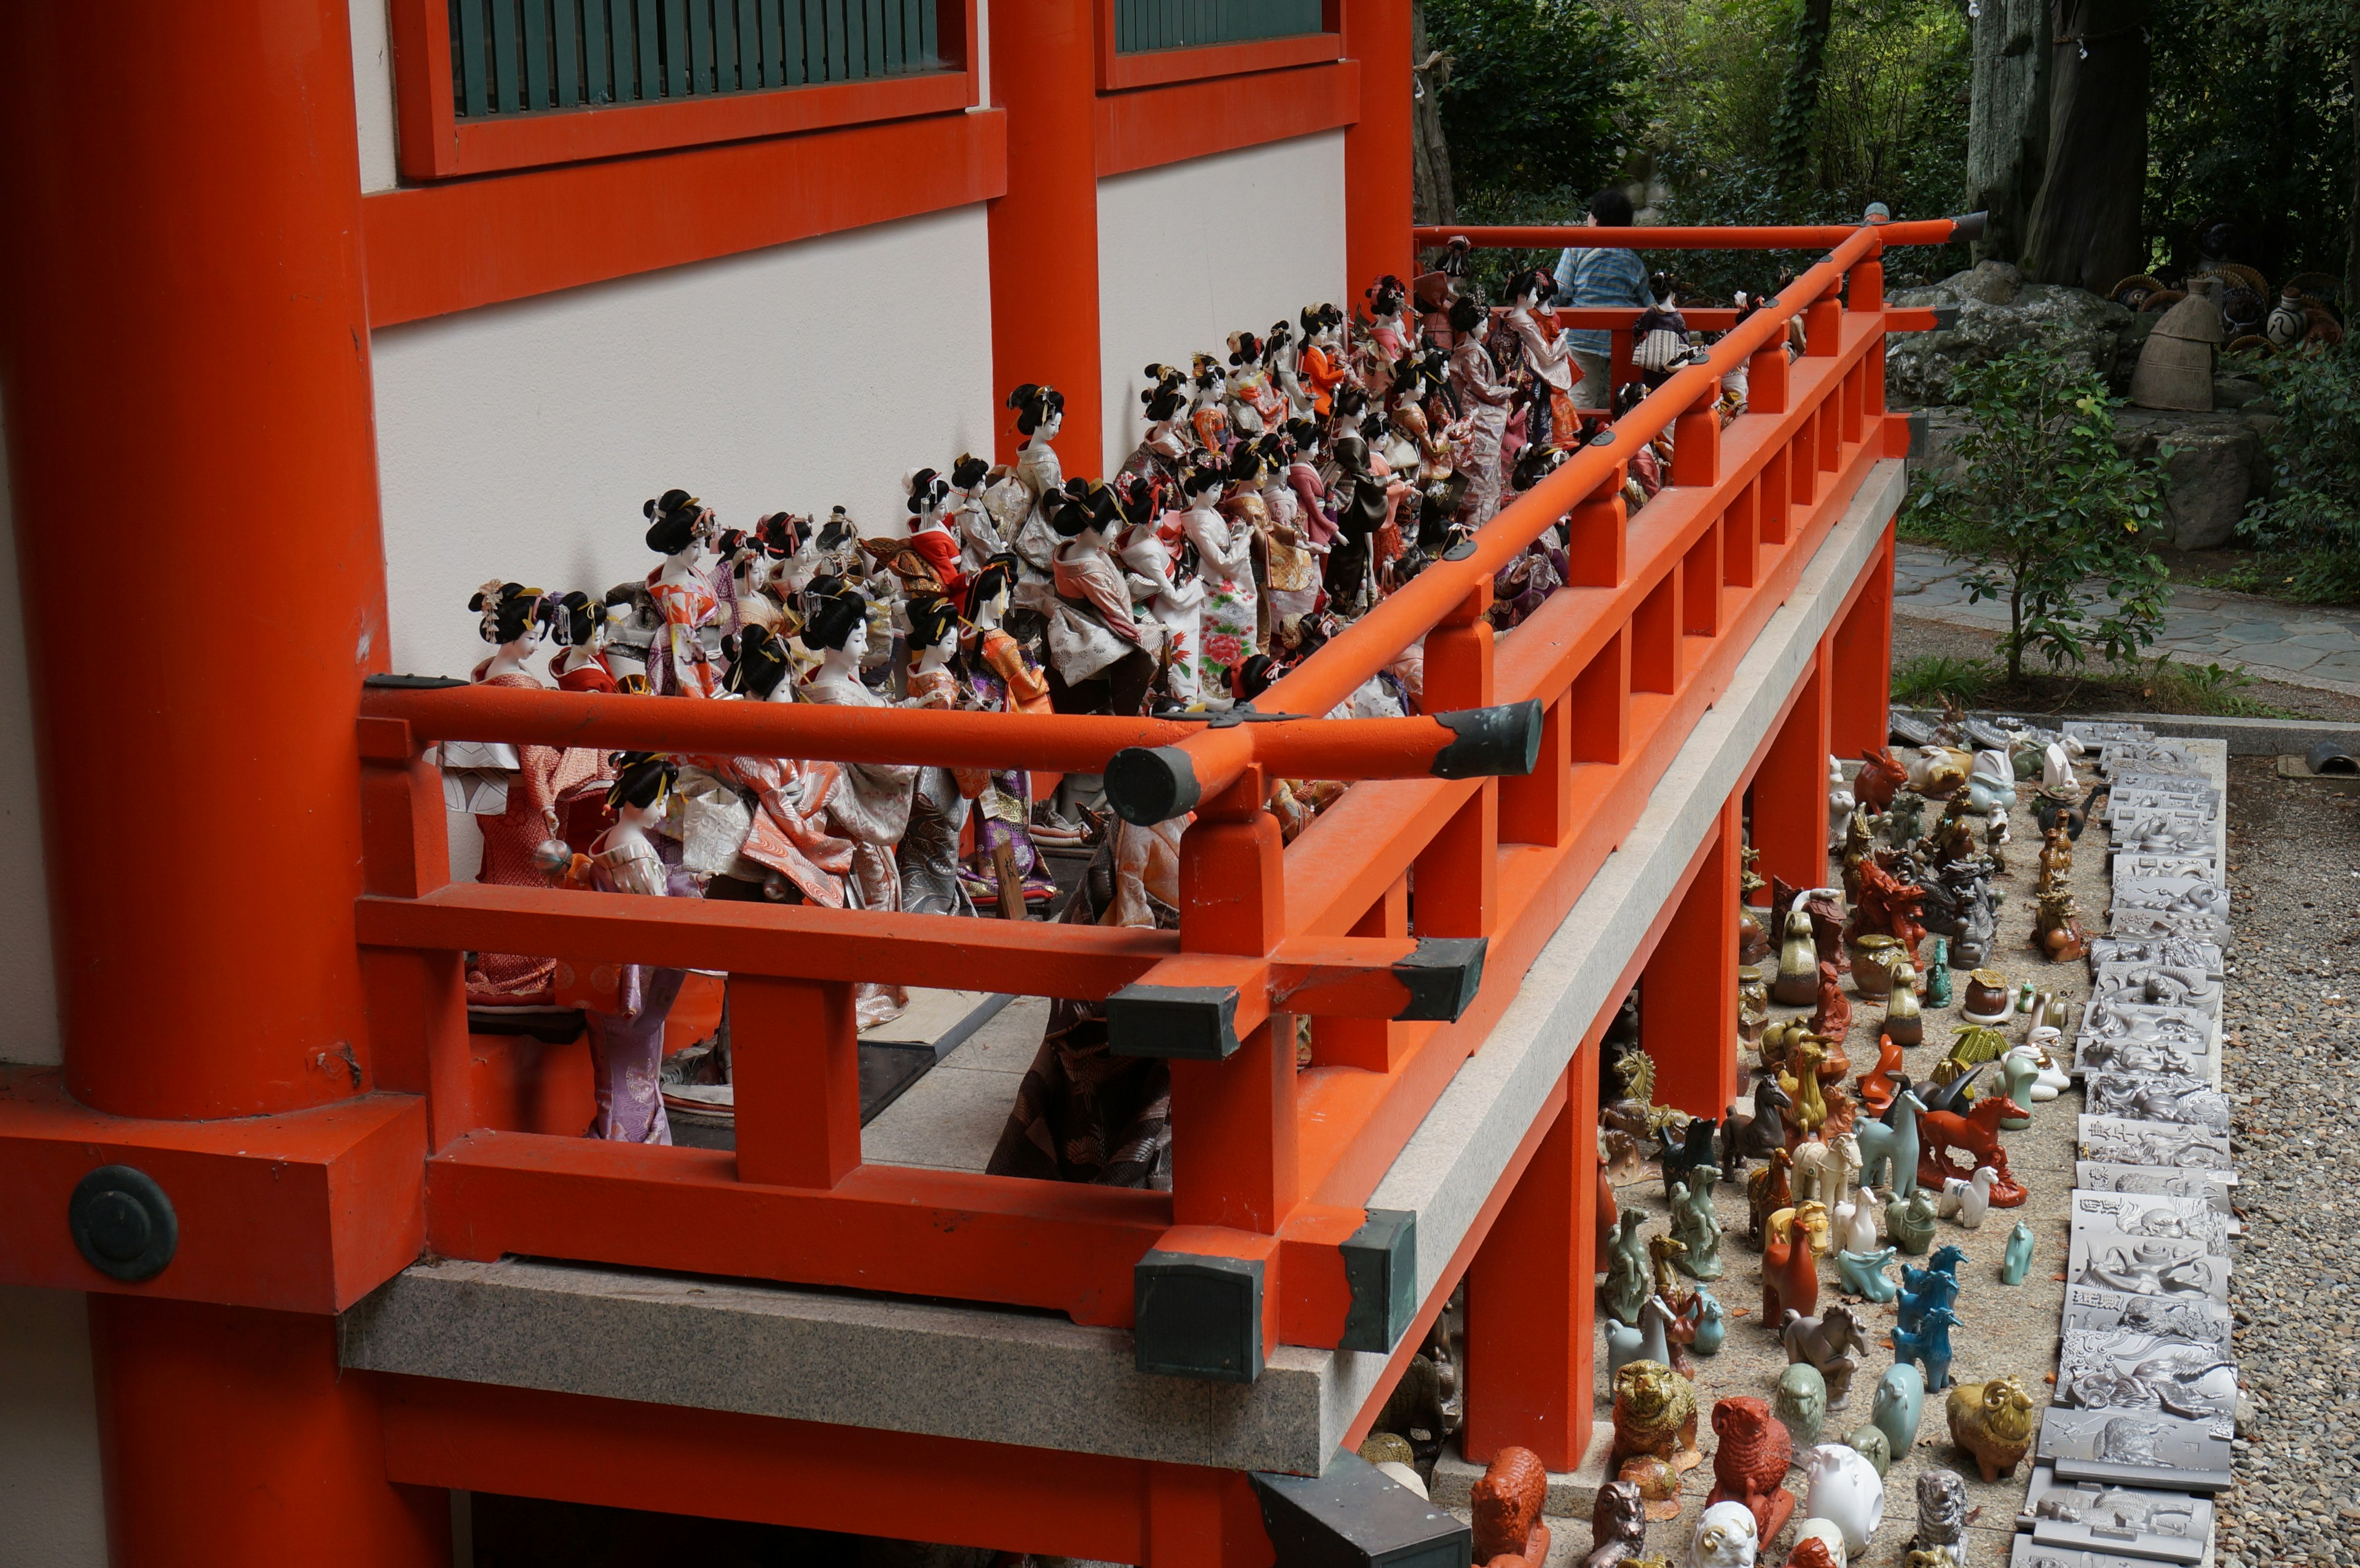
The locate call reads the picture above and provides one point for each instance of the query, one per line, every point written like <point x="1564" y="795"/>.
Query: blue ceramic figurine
<point x="1900" y="1396"/>
<point x="1930" y="1344"/>
<point x="1864" y="1273"/>
<point x="2018" y="1257"/>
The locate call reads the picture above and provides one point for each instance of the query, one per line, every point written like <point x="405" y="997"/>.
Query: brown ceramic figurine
<point x="1811" y="1552"/>
<point x="1905" y="1020"/>
<point x="1976" y="1131"/>
<point x="1618" y="1525"/>
<point x="1655" y="1413"/>
<point x="1798" y="973"/>
<point x="1885" y="904"/>
<point x="1880" y="779"/>
<point x="1790" y="1260"/>
<point x="1750" y="1465"/>
<point x="1768" y="1191"/>
<point x="1827" y="929"/>
<point x="2057" y="927"/>
<point x="1832" y="1016"/>
<point x="1506" y="1505"/>
<point x="1993" y="1422"/>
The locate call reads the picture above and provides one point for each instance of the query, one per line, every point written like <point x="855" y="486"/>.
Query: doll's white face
<point x="519" y="647"/>
<point x="856" y="642"/>
<point x="1051" y="426"/>
<point x="642" y="818"/>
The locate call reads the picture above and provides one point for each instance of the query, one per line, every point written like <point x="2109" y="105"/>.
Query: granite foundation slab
<point x="1571" y="1493"/>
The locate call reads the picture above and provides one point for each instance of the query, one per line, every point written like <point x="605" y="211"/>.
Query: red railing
<point x="1271" y="1166"/>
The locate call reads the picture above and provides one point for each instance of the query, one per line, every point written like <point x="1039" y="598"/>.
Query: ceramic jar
<point x="1871" y="959"/>
<point x="1904" y="1022"/>
<point x="1987" y="1000"/>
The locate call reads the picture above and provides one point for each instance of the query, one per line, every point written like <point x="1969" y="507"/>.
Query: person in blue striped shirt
<point x="1600" y="278"/>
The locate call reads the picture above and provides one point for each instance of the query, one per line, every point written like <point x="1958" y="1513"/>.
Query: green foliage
<point x="2250" y="122"/>
<point x="1539" y="97"/>
<point x="2168" y="686"/>
<point x="2055" y="518"/>
<point x="2309" y="523"/>
<point x="1929" y="679"/>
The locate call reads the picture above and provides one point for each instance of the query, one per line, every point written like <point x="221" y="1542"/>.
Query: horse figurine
<point x="1888" y="1146"/>
<point x="1864" y="1273"/>
<point x="1928" y="1345"/>
<point x="1977" y="1132"/>
<point x="1825" y="1167"/>
<point x="1936" y="1285"/>
<point x="1801" y="1082"/>
<point x="1682" y="1155"/>
<point x="1968" y="1201"/>
<point x="1855" y="1225"/>
<point x="1650" y="1340"/>
<point x="1768" y="1191"/>
<point x="1832" y="1341"/>
<point x="1749" y="1138"/>
<point x="1790" y="1261"/>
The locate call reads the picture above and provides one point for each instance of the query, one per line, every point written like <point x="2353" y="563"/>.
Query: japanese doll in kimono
<point x="518" y="794"/>
<point x="750" y="562"/>
<point x="1170" y="596"/>
<point x="1092" y="630"/>
<point x="1484" y="398"/>
<point x="1256" y="404"/>
<point x="1230" y="619"/>
<point x="1320" y="363"/>
<point x="626" y="1028"/>
<point x="1282" y="361"/>
<point x="928" y="853"/>
<point x="1040" y="415"/>
<point x="579" y="627"/>
<point x="1000" y="678"/>
<point x="1208" y="414"/>
<point x="1157" y="460"/>
<point x="870" y="805"/>
<point x="679" y="529"/>
<point x="1546" y="357"/>
<point x="978" y="532"/>
<point x="931" y="537"/>
<point x="1288" y="567"/>
<point x="789" y="856"/>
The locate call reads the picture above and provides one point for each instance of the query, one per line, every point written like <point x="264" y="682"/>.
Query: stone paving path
<point x="2299" y="645"/>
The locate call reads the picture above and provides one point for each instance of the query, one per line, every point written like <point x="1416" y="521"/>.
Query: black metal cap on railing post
<point x="1151" y="784"/>
<point x="1493" y="743"/>
<point x="1970" y="226"/>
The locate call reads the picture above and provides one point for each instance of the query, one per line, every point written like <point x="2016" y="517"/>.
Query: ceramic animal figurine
<point x="1930" y="1344"/>
<point x="1650" y="1340"/>
<point x="1855" y="1225"/>
<point x="1900" y="1400"/>
<point x="1797" y="1239"/>
<point x="1712" y="1324"/>
<point x="1879" y="1084"/>
<point x="1938" y="974"/>
<point x="1993" y="1422"/>
<point x="1832" y="1341"/>
<point x="1655" y="1413"/>
<point x="1768" y="1191"/>
<point x="1880" y="778"/>
<point x="1749" y="1465"/>
<point x="1977" y="1132"/>
<point x="1801" y="1401"/>
<point x="1936" y="1285"/>
<point x="1864" y="1273"/>
<point x="1943" y="1515"/>
<point x="1618" y="1525"/>
<point x="1798" y="984"/>
<point x="2017" y="1259"/>
<point x="1871" y="1444"/>
<point x="1827" y="1166"/>
<point x="1846" y="1491"/>
<point x="1888" y="1146"/>
<point x="1725" y="1537"/>
<point x="2019" y="1070"/>
<point x="1626" y="1271"/>
<point x="1968" y="1201"/>
<point x="1506" y="1508"/>
<point x="1683" y="1155"/>
<point x="1832" y="1012"/>
<point x="1802" y="1083"/>
<point x="1695" y="1225"/>
<point x="1905" y="1020"/>
<point x="1910" y="1222"/>
<point x="1841" y="803"/>
<point x="1818" y="1544"/>
<point x="2045" y="1043"/>
<point x="1754" y="1137"/>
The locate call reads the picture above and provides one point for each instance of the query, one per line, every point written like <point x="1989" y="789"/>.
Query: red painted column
<point x="186" y="365"/>
<point x="1045" y="232"/>
<point x="1862" y="662"/>
<point x="1790" y="791"/>
<point x="1688" y="1003"/>
<point x="1376" y="147"/>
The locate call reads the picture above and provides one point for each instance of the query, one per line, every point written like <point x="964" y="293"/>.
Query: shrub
<point x="2309" y="524"/>
<point x="2051" y="515"/>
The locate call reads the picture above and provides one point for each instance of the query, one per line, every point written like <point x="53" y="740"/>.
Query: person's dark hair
<point x="642" y="779"/>
<point x="758" y="663"/>
<point x="1611" y="208"/>
<point x="830" y="614"/>
<point x="1466" y="315"/>
<point x="671" y="521"/>
<point x="997" y="576"/>
<point x="968" y="471"/>
<point x="929" y="620"/>
<point x="510" y="611"/>
<point x="1034" y="406"/>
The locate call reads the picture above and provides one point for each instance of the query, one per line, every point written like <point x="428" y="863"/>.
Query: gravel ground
<point x="2290" y="1027"/>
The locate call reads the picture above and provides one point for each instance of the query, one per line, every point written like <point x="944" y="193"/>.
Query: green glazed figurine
<point x="1802" y="1402"/>
<point x="1909" y="1223"/>
<point x="1900" y="1398"/>
<point x="1626" y="1271"/>
<point x="1694" y="1225"/>
<point x="1937" y="975"/>
<point x="1905" y="1021"/>
<point x="1871" y="1444"/>
<point x="2017" y="1259"/>
<point x="2016" y="1074"/>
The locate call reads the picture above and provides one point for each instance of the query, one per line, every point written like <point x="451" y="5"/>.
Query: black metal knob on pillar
<point x="123" y="1223"/>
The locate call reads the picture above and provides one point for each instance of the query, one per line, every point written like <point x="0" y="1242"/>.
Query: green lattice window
<point x="1141" y="26"/>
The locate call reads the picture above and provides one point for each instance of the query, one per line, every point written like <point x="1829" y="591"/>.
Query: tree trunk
<point x="2084" y="227"/>
<point x="1793" y="129"/>
<point x="2352" y="255"/>
<point x="1432" y="200"/>
<point x="2007" y="121"/>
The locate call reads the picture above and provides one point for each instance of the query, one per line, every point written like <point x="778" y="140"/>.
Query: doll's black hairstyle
<point x="1274" y="344"/>
<point x="515" y="609"/>
<point x="1534" y="465"/>
<point x="1088" y="504"/>
<point x="1466" y="315"/>
<point x="997" y="576"/>
<point x="1537" y="281"/>
<point x="1629" y="396"/>
<point x="1169" y="395"/>
<point x="1386" y="296"/>
<point x="1035" y="406"/>
<point x="671" y="521"/>
<point x="831" y="612"/>
<point x="1246" y="461"/>
<point x="758" y="663"/>
<point x="968" y="471"/>
<point x="929" y="620"/>
<point x="576" y="619"/>
<point x="782" y="533"/>
<point x="1350" y="402"/>
<point x="1197" y="478"/>
<point x="642" y="779"/>
<point x="1303" y="434"/>
<point x="927" y="488"/>
<point x="1244" y="348"/>
<point x="1318" y="318"/>
<point x="1255" y="677"/>
<point x="837" y="531"/>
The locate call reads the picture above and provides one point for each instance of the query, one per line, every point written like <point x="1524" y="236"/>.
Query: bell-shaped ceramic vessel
<point x="1846" y="1491"/>
<point x="1905" y="1020"/>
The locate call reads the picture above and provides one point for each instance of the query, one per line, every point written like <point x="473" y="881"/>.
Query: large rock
<point x="1999" y="311"/>
<point x="2217" y="465"/>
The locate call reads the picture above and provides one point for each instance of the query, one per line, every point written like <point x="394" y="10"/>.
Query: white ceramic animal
<point x="1968" y="1200"/>
<point x="1825" y="1532"/>
<point x="1839" y="802"/>
<point x="1725" y="1537"/>
<point x="1826" y="1169"/>
<point x="2045" y="1044"/>
<point x="2056" y="768"/>
<point x="1846" y="1491"/>
<point x="1856" y="1226"/>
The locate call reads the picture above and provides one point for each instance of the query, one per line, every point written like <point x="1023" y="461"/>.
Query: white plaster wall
<point x="28" y="991"/>
<point x="373" y="94"/>
<point x="52" y="1506"/>
<point x="1191" y="251"/>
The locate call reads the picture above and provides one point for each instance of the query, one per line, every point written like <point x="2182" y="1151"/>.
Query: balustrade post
<point x="1531" y="1300"/>
<point x="1822" y="327"/>
<point x="1370" y="1043"/>
<point x="1687" y="1005"/>
<point x="1457" y="880"/>
<point x="1766" y="379"/>
<point x="1803" y="461"/>
<point x="1599" y="701"/>
<point x="794" y="1059"/>
<point x="1790" y="791"/>
<point x="1538" y="808"/>
<point x="1828" y="427"/>
<point x="1695" y="463"/>
<point x="1656" y="637"/>
<point x="1741" y="537"/>
<point x="417" y="999"/>
<point x="1597" y="536"/>
<point x="1854" y="397"/>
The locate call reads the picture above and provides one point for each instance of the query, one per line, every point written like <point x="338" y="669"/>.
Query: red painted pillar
<point x="1376" y="146"/>
<point x="186" y="364"/>
<point x="1687" y="1003"/>
<point x="1861" y="665"/>
<point x="1790" y="791"/>
<point x="1045" y="232"/>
